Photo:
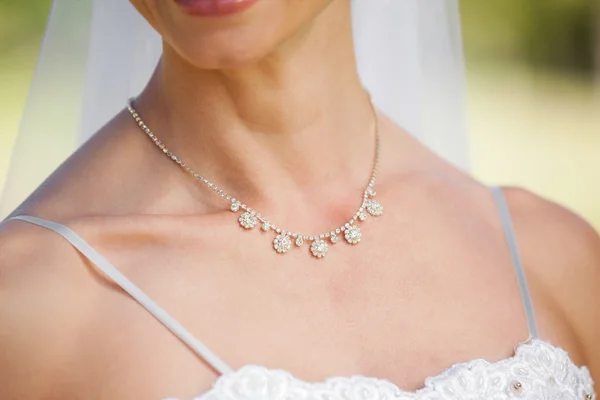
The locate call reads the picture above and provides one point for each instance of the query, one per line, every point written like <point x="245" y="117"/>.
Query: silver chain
<point x="283" y="240"/>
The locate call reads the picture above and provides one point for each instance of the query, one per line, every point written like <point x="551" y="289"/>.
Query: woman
<point x="262" y="97"/>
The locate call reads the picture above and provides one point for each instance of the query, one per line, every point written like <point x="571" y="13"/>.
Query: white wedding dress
<point x="536" y="371"/>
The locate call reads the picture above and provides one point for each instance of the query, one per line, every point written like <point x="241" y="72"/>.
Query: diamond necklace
<point x="284" y="239"/>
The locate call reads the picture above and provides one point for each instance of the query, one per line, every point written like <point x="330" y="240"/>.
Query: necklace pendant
<point x="282" y="243"/>
<point x="334" y="238"/>
<point x="374" y="207"/>
<point x="299" y="241"/>
<point x="248" y="220"/>
<point x="353" y="235"/>
<point x="319" y="248"/>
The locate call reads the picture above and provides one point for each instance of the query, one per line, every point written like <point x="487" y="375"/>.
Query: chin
<point x="229" y="39"/>
<point x="229" y="47"/>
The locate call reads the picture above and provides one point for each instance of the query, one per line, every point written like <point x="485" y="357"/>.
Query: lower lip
<point x="213" y="8"/>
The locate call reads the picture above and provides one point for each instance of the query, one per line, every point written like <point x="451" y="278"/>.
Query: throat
<point x="329" y="144"/>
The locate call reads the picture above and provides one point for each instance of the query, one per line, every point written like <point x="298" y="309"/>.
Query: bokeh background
<point x="533" y="73"/>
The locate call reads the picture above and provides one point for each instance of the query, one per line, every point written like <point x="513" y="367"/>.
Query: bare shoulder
<point x="561" y="252"/>
<point x="567" y="244"/>
<point x="44" y="282"/>
<point x="42" y="305"/>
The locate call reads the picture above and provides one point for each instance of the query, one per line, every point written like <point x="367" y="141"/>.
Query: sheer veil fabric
<point x="97" y="53"/>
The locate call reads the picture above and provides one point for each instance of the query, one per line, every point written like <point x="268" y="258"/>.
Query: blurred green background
<point x="533" y="72"/>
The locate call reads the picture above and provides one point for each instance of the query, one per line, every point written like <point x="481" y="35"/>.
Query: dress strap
<point x="509" y="234"/>
<point x="113" y="273"/>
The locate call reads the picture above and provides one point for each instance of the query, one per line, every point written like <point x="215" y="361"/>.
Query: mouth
<point x="214" y="8"/>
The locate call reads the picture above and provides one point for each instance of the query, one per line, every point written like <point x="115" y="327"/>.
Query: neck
<point x="294" y="120"/>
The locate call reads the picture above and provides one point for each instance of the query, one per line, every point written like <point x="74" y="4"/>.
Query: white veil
<point x="98" y="53"/>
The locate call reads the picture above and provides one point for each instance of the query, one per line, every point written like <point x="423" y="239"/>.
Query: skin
<point x="245" y="103"/>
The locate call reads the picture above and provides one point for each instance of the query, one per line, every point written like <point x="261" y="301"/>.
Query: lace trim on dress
<point x="537" y="371"/>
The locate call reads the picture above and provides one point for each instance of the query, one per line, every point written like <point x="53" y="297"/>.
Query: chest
<point x="387" y="308"/>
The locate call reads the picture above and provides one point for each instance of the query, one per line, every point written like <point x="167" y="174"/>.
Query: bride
<point x="251" y="227"/>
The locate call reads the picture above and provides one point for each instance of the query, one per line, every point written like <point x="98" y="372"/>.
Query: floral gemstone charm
<point x="319" y="248"/>
<point x="282" y="243"/>
<point x="248" y="220"/>
<point x="353" y="235"/>
<point x="374" y="208"/>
